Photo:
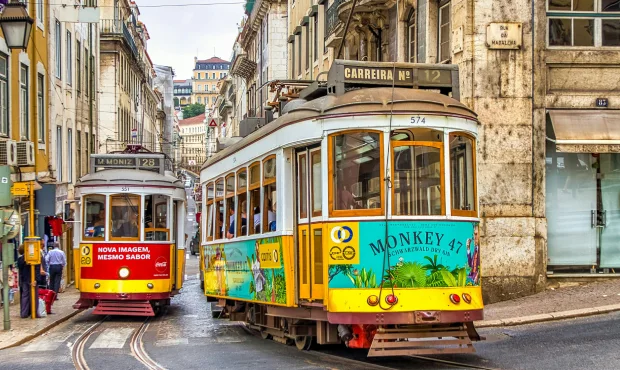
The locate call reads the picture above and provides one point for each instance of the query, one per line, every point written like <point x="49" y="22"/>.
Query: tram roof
<point x="361" y="101"/>
<point x="129" y="177"/>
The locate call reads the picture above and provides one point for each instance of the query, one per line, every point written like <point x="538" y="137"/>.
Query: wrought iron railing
<point x="332" y="17"/>
<point x="118" y="27"/>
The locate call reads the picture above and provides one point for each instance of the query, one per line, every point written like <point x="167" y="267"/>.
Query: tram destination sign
<point x="128" y="162"/>
<point x="346" y="73"/>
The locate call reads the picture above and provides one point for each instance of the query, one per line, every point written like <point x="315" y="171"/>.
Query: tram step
<point x="124" y="308"/>
<point x="399" y="342"/>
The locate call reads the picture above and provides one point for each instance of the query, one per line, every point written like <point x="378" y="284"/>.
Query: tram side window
<point x="242" y="196"/>
<point x="462" y="171"/>
<point x="230" y="202"/>
<point x="417" y="183"/>
<point x="156" y="218"/>
<point x="254" y="198"/>
<point x="210" y="211"/>
<point x="357" y="170"/>
<point x="219" y="209"/>
<point x="125" y="216"/>
<point x="94" y="217"/>
<point x="317" y="195"/>
<point x="267" y="218"/>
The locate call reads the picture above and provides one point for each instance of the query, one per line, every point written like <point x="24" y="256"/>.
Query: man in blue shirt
<point x="56" y="260"/>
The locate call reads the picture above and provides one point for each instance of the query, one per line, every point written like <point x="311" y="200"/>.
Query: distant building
<point x="207" y="73"/>
<point x="182" y="93"/>
<point x="193" y="143"/>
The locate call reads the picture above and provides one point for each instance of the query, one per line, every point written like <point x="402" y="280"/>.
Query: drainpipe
<point x="91" y="96"/>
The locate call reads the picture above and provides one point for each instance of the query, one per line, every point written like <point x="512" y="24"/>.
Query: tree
<point x="193" y="110"/>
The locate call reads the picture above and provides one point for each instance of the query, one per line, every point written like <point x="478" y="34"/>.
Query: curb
<point x="554" y="316"/>
<point x="43" y="330"/>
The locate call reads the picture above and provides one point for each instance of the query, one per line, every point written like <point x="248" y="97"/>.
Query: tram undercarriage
<point x="423" y="333"/>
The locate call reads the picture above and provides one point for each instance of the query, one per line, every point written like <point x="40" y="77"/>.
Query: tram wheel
<point x="303" y="342"/>
<point x="265" y="335"/>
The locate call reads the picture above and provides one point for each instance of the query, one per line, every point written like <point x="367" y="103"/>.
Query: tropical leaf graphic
<point x="409" y="275"/>
<point x="448" y="278"/>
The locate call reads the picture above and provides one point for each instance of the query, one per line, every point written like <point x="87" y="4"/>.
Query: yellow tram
<point x="353" y="217"/>
<point x="131" y="248"/>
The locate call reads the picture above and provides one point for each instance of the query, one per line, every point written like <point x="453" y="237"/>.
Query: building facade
<point x="128" y="104"/>
<point x="206" y="75"/>
<point x="182" y="93"/>
<point x="164" y="86"/>
<point x="193" y="143"/>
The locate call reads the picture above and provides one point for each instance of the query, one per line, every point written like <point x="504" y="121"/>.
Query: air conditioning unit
<point x="8" y="153"/>
<point x="25" y="153"/>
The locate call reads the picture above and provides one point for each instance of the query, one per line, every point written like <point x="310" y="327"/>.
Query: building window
<point x="41" y="106"/>
<point x="70" y="155"/>
<point x="23" y="102"/>
<point x="411" y="37"/>
<point x="299" y="70"/>
<point x="308" y="49"/>
<point x="4" y="95"/>
<point x="315" y="29"/>
<point x="444" y="31"/>
<point x="199" y="100"/>
<point x="293" y="74"/>
<point x="40" y="11"/>
<point x="69" y="59"/>
<point x="583" y="23"/>
<point x="214" y="75"/>
<point x="59" y="153"/>
<point x="86" y="75"/>
<point x="58" y="45"/>
<point x="78" y="65"/>
<point x="78" y="147"/>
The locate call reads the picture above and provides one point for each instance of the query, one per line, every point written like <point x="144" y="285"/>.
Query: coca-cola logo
<point x="161" y="264"/>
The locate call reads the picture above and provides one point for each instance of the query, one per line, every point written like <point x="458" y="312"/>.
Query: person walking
<point x="56" y="261"/>
<point x="25" y="283"/>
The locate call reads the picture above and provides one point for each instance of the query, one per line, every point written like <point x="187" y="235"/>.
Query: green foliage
<point x="363" y="279"/>
<point x="432" y="274"/>
<point x="433" y="266"/>
<point x="335" y="270"/>
<point x="193" y="110"/>
<point x="280" y="284"/>
<point x="408" y="275"/>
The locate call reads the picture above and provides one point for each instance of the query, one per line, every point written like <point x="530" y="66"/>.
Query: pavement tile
<point x="23" y="330"/>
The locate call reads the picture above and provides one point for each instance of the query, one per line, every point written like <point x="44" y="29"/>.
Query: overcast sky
<point x="179" y="33"/>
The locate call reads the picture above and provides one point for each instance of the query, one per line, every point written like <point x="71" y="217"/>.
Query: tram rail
<point x="136" y="346"/>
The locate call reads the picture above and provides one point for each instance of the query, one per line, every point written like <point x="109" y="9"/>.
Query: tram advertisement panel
<point x="250" y="269"/>
<point x="144" y="261"/>
<point x="421" y="254"/>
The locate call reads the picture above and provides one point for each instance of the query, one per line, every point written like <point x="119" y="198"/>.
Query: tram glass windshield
<point x="94" y="217"/>
<point x="125" y="216"/>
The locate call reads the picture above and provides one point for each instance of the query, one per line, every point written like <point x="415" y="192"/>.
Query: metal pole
<point x="32" y="274"/>
<point x="346" y="28"/>
<point x="5" y="289"/>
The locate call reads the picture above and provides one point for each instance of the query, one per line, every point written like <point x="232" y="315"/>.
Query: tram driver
<point x="130" y="228"/>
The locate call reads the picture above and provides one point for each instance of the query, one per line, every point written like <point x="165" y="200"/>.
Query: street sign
<point x="134" y="133"/>
<point x="214" y="122"/>
<point x="20" y="189"/>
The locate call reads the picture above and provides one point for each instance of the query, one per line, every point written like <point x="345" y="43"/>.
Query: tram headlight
<point x="123" y="272"/>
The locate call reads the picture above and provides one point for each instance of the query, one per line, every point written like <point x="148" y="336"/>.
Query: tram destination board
<point x="128" y="162"/>
<point x="344" y="74"/>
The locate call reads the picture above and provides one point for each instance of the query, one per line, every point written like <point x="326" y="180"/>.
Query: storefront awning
<point x="586" y="131"/>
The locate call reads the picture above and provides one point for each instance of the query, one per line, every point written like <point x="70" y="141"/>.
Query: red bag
<point x="49" y="296"/>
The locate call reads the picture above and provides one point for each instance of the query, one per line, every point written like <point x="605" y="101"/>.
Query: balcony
<point x="332" y="18"/>
<point x="117" y="28"/>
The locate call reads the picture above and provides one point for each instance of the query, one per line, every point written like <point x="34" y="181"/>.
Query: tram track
<point x="136" y="346"/>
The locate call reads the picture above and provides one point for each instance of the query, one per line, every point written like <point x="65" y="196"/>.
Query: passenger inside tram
<point x="231" y="229"/>
<point x="129" y="229"/>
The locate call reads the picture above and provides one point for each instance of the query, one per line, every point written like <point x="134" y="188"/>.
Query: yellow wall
<point x="37" y="53"/>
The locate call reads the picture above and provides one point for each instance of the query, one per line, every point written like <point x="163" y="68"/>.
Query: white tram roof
<point x="129" y="177"/>
<point x="361" y="101"/>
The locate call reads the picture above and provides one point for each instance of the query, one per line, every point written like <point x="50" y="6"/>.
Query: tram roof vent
<point x="345" y="75"/>
<point x="295" y="103"/>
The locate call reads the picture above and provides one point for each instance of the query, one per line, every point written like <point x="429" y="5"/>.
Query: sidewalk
<point x="23" y="330"/>
<point x="555" y="304"/>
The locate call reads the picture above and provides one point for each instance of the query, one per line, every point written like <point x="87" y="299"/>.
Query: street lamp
<point x="16" y="25"/>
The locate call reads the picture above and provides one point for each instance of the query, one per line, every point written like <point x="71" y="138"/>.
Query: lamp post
<point x="16" y="25"/>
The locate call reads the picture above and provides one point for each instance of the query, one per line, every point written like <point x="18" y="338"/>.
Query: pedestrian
<point x="56" y="261"/>
<point x="44" y="268"/>
<point x="25" y="284"/>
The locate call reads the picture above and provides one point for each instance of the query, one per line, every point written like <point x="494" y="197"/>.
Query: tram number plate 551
<point x="417" y="120"/>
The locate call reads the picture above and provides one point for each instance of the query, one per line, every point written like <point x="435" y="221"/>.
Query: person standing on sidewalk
<point x="44" y="268"/>
<point x="56" y="261"/>
<point x="25" y="282"/>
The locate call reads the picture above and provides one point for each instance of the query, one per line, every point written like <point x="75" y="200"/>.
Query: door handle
<point x="593" y="218"/>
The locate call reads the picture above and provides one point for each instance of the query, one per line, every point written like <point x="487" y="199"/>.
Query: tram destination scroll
<point x="128" y="162"/>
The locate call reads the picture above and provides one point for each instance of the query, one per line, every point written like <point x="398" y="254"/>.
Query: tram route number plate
<point x="86" y="255"/>
<point x="418" y="120"/>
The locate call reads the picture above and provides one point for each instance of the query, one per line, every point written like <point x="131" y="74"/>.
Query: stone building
<point x="207" y="73"/>
<point x="193" y="143"/>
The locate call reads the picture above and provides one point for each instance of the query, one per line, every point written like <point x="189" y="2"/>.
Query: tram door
<point x="310" y="226"/>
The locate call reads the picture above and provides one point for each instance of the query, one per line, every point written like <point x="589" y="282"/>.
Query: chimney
<point x="195" y="60"/>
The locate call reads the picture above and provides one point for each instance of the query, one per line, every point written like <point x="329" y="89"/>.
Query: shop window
<point x="583" y="23"/>
<point x="418" y="178"/>
<point x="125" y="216"/>
<point x="94" y="217"/>
<point x="156" y="226"/>
<point x="267" y="216"/>
<point x="462" y="174"/>
<point x="356" y="167"/>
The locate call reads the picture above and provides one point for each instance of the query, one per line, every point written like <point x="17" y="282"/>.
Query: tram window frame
<point x="210" y="212"/>
<point x="110" y="216"/>
<point x="380" y="211"/>
<point x="442" y="192"/>
<point x="267" y="185"/>
<point x="219" y="203"/>
<point x="302" y="185"/>
<point x="154" y="208"/>
<point x="252" y="188"/>
<point x="455" y="211"/>
<point x="313" y="201"/>
<point x="242" y="196"/>
<point x="229" y="195"/>
<point x="85" y="200"/>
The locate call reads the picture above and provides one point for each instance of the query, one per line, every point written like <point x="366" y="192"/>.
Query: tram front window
<point x="94" y="217"/>
<point x="125" y="216"/>
<point x="156" y="218"/>
<point x="357" y="171"/>
<point x="417" y="180"/>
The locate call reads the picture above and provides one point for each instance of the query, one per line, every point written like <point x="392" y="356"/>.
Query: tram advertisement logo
<point x="344" y="244"/>
<point x="86" y="258"/>
<point x="269" y="255"/>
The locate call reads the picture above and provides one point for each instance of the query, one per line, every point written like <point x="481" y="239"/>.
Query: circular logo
<point x="335" y="253"/>
<point x="85" y="251"/>
<point x="348" y="253"/>
<point x="275" y="255"/>
<point x="341" y="234"/>
<point x="161" y="264"/>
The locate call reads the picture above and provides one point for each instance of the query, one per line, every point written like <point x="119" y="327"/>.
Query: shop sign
<point x="399" y="76"/>
<point x="506" y="35"/>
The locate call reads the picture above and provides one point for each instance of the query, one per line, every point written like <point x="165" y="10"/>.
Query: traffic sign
<point x="213" y="122"/>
